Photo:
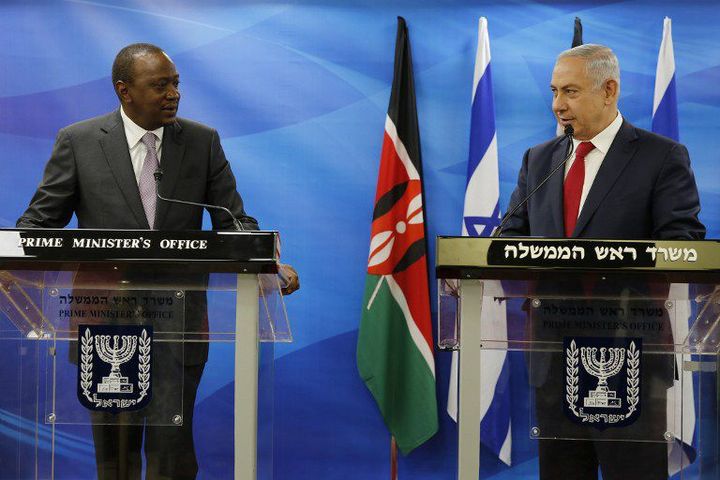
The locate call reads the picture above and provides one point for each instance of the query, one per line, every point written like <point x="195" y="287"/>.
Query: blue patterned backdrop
<point x="298" y="91"/>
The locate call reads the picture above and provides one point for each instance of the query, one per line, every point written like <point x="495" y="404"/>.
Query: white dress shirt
<point x="138" y="151"/>
<point x="594" y="159"/>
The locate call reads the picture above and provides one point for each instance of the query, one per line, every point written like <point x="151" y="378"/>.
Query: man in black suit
<point x="102" y="170"/>
<point x="637" y="184"/>
<point x="622" y="183"/>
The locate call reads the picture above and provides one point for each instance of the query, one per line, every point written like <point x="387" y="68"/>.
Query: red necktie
<point x="572" y="189"/>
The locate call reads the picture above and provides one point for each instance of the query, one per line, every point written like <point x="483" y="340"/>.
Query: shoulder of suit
<point x="113" y="120"/>
<point x="652" y="138"/>
<point x="628" y="130"/>
<point x="91" y="125"/>
<point x="193" y="126"/>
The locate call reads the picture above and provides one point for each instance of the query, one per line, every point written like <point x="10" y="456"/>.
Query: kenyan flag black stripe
<point x="402" y="109"/>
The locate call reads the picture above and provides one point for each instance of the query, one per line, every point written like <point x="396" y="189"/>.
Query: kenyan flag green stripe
<point x="394" y="369"/>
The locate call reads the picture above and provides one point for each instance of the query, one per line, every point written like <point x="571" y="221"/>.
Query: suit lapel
<point x="555" y="189"/>
<point x="173" y="150"/>
<point x="115" y="147"/>
<point x="621" y="151"/>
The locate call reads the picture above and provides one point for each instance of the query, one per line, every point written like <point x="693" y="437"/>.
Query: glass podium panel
<point x="108" y="349"/>
<point x="601" y="369"/>
<point x="617" y="366"/>
<point x="111" y="350"/>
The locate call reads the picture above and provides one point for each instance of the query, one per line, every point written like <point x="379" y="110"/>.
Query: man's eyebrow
<point x="165" y="77"/>
<point x="563" y="87"/>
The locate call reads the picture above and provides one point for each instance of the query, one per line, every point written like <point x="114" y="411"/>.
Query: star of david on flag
<point x="483" y="226"/>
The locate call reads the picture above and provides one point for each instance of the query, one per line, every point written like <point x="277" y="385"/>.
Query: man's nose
<point x="173" y="93"/>
<point x="559" y="104"/>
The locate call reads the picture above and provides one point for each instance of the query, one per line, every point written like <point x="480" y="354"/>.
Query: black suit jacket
<point x="644" y="189"/>
<point x="90" y="174"/>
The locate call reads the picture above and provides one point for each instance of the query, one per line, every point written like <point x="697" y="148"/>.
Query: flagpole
<point x="393" y="459"/>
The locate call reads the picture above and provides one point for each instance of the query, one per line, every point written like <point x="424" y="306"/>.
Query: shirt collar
<point x="604" y="139"/>
<point x="134" y="132"/>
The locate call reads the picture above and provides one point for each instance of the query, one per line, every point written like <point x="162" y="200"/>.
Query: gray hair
<point x="601" y="64"/>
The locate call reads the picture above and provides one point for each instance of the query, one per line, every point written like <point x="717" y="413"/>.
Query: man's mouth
<point x="170" y="108"/>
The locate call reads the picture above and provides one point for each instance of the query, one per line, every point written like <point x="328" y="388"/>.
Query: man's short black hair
<point x="122" y="66"/>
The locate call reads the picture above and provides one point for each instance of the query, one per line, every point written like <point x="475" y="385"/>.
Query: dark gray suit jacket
<point x="90" y="174"/>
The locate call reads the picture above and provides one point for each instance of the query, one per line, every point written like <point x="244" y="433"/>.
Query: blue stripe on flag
<point x="482" y="122"/>
<point x="665" y="120"/>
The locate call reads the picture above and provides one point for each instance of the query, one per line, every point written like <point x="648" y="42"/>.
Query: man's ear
<point x="611" y="89"/>
<point x="122" y="91"/>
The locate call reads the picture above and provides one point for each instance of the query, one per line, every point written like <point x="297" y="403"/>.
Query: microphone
<point x="569" y="132"/>
<point x="158" y="174"/>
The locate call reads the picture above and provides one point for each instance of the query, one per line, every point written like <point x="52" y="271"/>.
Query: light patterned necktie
<point x="147" y="183"/>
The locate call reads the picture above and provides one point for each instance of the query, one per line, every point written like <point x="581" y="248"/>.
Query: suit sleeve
<point x="518" y="225"/>
<point x="222" y="190"/>
<point x="676" y="203"/>
<point x="54" y="201"/>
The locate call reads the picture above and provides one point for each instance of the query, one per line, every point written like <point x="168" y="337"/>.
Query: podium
<point x="602" y="346"/>
<point x="97" y="328"/>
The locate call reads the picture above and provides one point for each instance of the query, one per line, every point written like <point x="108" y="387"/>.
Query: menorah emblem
<point x="121" y="351"/>
<point x="609" y="364"/>
<point x="602" y="358"/>
<point x="121" y="346"/>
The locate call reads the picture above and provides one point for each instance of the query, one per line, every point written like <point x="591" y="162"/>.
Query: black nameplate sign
<point x="58" y="245"/>
<point x="585" y="254"/>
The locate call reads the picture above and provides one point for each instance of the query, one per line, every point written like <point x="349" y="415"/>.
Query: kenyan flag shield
<point x="395" y="345"/>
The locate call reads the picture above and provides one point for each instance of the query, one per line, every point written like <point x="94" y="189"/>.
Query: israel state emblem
<point x="602" y="380"/>
<point x="114" y="367"/>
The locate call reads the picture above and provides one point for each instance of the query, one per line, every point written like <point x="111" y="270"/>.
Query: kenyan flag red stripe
<point x="395" y="344"/>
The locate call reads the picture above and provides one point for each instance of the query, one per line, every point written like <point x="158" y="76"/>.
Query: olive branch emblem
<point x="144" y="364"/>
<point x="633" y="379"/>
<point x="86" y="349"/>
<point x="571" y="377"/>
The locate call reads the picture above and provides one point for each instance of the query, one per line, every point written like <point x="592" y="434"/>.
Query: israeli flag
<point x="665" y="122"/>
<point x="665" y="116"/>
<point x="481" y="215"/>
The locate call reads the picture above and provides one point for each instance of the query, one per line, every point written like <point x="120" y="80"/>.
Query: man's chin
<point x="169" y="118"/>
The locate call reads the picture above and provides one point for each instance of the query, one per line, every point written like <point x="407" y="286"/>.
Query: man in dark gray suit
<point x="622" y="183"/>
<point x="102" y="170"/>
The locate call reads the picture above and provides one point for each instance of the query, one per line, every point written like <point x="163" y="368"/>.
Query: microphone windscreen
<point x="569" y="130"/>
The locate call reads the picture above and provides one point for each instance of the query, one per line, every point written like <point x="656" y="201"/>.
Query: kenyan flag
<point x="395" y="353"/>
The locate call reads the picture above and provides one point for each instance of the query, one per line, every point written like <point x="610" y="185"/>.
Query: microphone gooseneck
<point x="569" y="132"/>
<point x="158" y="174"/>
